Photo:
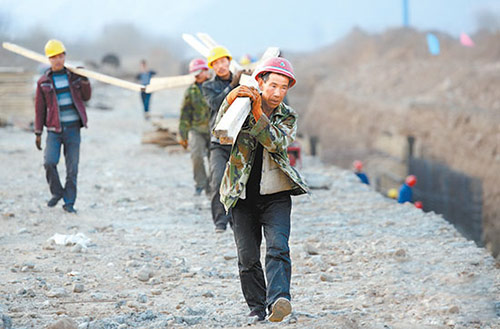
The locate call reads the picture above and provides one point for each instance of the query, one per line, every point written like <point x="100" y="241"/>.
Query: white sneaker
<point x="280" y="309"/>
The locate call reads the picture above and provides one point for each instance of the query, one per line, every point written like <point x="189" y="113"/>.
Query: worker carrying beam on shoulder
<point x="194" y="124"/>
<point x="257" y="185"/>
<point x="59" y="106"/>
<point x="215" y="90"/>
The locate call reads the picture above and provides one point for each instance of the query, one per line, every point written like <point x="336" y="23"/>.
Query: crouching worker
<point x="59" y="105"/>
<point x="257" y="185"/>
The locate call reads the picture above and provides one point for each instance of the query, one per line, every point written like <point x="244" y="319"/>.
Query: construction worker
<point x="59" y="105"/>
<point x="144" y="77"/>
<point x="194" y="129"/>
<point x="257" y="184"/>
<point x="405" y="192"/>
<point x="358" y="170"/>
<point x="215" y="90"/>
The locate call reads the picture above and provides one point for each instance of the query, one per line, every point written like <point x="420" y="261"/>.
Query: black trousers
<point x="252" y="216"/>
<point x="219" y="154"/>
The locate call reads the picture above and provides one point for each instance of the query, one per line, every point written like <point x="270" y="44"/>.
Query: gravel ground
<point x="151" y="258"/>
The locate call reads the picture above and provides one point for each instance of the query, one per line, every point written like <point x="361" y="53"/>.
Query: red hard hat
<point x="197" y="64"/>
<point x="411" y="180"/>
<point x="419" y="204"/>
<point x="277" y="65"/>
<point x="358" y="165"/>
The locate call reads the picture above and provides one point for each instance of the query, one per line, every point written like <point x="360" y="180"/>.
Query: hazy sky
<point x="242" y="26"/>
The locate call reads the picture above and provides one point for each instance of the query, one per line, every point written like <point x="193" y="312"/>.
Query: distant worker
<point x="392" y="193"/>
<point x="59" y="105"/>
<point x="358" y="170"/>
<point x="257" y="185"/>
<point x="144" y="77"/>
<point x="215" y="90"/>
<point x="405" y="192"/>
<point x="194" y="124"/>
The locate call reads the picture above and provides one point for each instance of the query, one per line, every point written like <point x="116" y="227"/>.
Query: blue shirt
<point x="405" y="194"/>
<point x="67" y="110"/>
<point x="145" y="77"/>
<point x="363" y="178"/>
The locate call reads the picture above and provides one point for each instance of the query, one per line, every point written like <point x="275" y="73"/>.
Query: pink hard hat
<point x="358" y="165"/>
<point x="411" y="180"/>
<point x="277" y="65"/>
<point x="197" y="64"/>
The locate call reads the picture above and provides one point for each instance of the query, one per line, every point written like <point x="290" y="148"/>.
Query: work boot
<point x="220" y="229"/>
<point x="53" y="201"/>
<point x="256" y="316"/>
<point x="280" y="309"/>
<point x="69" y="208"/>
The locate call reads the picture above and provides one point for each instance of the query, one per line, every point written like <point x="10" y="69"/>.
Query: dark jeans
<point x="145" y="100"/>
<point x="250" y="216"/>
<point x="219" y="155"/>
<point x="70" y="138"/>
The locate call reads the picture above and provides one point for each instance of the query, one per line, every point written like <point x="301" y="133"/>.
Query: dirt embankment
<point x="368" y="87"/>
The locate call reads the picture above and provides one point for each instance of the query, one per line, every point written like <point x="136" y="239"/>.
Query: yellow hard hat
<point x="245" y="60"/>
<point x="216" y="53"/>
<point x="54" y="47"/>
<point x="392" y="193"/>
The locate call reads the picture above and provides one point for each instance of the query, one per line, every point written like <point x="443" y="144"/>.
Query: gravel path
<point x="153" y="259"/>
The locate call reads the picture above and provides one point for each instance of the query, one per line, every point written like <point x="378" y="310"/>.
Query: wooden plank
<point x="169" y="82"/>
<point x="80" y="71"/>
<point x="230" y="125"/>
<point x="207" y="40"/>
<point x="204" y="47"/>
<point x="106" y="79"/>
<point x="196" y="45"/>
<point x="227" y="125"/>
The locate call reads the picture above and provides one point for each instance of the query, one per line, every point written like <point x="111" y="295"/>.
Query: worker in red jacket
<point x="59" y="106"/>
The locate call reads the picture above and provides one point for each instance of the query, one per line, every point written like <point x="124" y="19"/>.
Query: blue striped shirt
<point x="67" y="110"/>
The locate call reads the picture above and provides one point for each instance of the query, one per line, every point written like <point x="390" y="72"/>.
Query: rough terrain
<point x="367" y="88"/>
<point x="359" y="259"/>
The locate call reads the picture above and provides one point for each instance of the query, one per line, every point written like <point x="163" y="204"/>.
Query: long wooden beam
<point x="169" y="82"/>
<point x="80" y="71"/>
<point x="230" y="125"/>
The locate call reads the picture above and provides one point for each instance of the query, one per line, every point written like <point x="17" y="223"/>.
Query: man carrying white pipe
<point x="257" y="185"/>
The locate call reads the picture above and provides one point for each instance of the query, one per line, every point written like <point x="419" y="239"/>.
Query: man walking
<point x="59" y="105"/>
<point x="194" y="129"/>
<point x="215" y="90"/>
<point x="257" y="186"/>
<point x="144" y="77"/>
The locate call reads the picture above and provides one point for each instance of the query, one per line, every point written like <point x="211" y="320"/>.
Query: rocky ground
<point x="148" y="256"/>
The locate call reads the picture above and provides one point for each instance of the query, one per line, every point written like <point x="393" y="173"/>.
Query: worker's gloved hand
<point x="256" y="103"/>
<point x="184" y="143"/>
<point x="241" y="91"/>
<point x="38" y="142"/>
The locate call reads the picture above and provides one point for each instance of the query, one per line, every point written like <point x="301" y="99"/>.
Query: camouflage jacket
<point x="195" y="113"/>
<point x="275" y="134"/>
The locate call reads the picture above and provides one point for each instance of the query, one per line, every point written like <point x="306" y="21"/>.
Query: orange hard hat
<point x="419" y="204"/>
<point x="411" y="180"/>
<point x="277" y="65"/>
<point x="358" y="165"/>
